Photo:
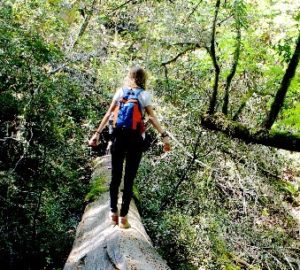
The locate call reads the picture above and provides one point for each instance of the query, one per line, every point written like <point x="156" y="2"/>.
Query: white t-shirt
<point x="144" y="97"/>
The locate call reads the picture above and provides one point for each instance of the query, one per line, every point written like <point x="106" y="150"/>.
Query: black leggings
<point x="126" y="146"/>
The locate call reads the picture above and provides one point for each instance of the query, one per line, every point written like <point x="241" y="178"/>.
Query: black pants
<point x="127" y="146"/>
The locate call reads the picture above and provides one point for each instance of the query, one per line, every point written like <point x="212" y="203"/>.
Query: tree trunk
<point x="103" y="246"/>
<point x="281" y="93"/>
<point x="85" y="24"/>
<point x="232" y="71"/>
<point x="212" y="52"/>
<point x="236" y="130"/>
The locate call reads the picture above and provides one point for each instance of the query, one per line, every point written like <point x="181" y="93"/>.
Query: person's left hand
<point x="94" y="141"/>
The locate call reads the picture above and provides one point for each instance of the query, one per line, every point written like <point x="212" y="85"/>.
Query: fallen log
<point x="103" y="246"/>
<point x="219" y="122"/>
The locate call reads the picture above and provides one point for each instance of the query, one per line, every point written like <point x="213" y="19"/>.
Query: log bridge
<point x="99" y="245"/>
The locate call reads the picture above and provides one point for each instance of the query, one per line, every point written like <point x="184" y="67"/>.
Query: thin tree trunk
<point x="84" y="25"/>
<point x="243" y="105"/>
<point x="281" y="93"/>
<point x="251" y="90"/>
<point x="233" y="70"/>
<point x="193" y="11"/>
<point x="82" y="30"/>
<point x="212" y="52"/>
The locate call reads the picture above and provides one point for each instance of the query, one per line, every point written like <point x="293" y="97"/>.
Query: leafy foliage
<point x="43" y="165"/>
<point x="226" y="211"/>
<point x="212" y="202"/>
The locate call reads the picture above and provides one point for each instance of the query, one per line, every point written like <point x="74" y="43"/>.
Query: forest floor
<point x="293" y="175"/>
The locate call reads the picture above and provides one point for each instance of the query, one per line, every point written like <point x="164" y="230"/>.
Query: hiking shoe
<point x="123" y="223"/>
<point x="114" y="218"/>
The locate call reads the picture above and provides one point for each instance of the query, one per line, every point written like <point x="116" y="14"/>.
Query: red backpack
<point x="128" y="113"/>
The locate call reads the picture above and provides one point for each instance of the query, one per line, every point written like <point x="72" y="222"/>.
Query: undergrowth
<point x="223" y="209"/>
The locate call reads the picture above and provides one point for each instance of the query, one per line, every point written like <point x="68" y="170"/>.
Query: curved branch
<point x="212" y="52"/>
<point x="25" y="150"/>
<point x="251" y="90"/>
<point x="281" y="93"/>
<point x="195" y="46"/>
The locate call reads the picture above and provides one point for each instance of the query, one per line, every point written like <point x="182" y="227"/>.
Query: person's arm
<point x="95" y="138"/>
<point x="155" y="123"/>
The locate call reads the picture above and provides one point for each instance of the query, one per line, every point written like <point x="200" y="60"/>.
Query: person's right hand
<point x="94" y="141"/>
<point x="167" y="145"/>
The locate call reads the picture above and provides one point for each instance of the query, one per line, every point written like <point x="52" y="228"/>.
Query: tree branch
<point x="180" y="54"/>
<point x="281" y="93"/>
<point x="80" y="34"/>
<point x="212" y="52"/>
<point x="84" y="25"/>
<point x="243" y="104"/>
<point x="121" y="6"/>
<point x="236" y="130"/>
<point x="25" y="150"/>
<point x="166" y="76"/>
<point x="80" y="58"/>
<point x="193" y="10"/>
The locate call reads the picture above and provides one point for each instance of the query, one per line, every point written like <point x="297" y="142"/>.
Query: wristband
<point x="164" y="134"/>
<point x="98" y="132"/>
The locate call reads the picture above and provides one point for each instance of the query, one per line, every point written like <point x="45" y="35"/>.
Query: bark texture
<point x="103" y="246"/>
<point x="212" y="52"/>
<point x="236" y="130"/>
<point x="285" y="83"/>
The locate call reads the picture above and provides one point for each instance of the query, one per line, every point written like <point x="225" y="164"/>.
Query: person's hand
<point x="94" y="141"/>
<point x="167" y="146"/>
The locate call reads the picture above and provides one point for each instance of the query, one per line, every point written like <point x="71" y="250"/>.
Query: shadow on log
<point x="103" y="246"/>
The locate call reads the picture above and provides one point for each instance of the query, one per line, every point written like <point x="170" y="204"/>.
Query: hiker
<point x="129" y="105"/>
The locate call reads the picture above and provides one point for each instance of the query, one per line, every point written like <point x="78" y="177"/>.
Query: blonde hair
<point x="136" y="77"/>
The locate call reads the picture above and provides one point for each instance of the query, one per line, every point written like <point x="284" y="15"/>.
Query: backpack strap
<point x="126" y="96"/>
<point x="136" y="94"/>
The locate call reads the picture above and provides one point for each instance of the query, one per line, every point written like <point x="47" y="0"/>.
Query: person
<point x="127" y="143"/>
